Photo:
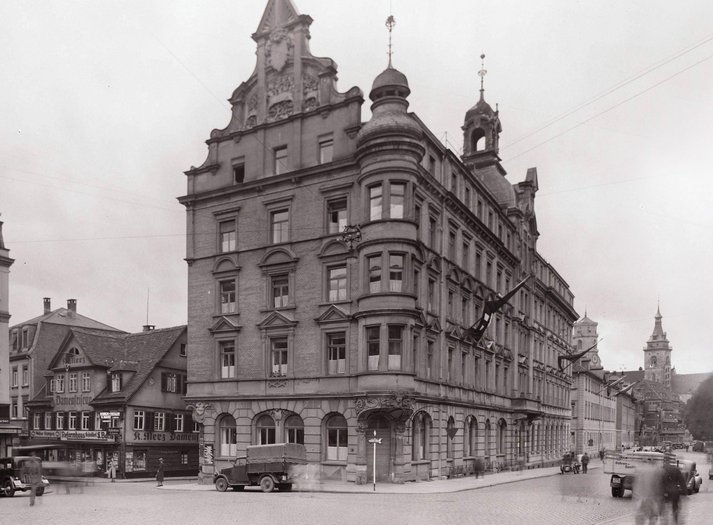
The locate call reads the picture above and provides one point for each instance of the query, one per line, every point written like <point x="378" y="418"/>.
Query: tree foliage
<point x="699" y="411"/>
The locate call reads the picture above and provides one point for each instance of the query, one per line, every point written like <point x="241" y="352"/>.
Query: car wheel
<point x="221" y="484"/>
<point x="8" y="489"/>
<point x="40" y="491"/>
<point x="267" y="484"/>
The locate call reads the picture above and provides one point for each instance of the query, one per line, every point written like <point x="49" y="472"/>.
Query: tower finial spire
<point x="390" y="23"/>
<point x="482" y="74"/>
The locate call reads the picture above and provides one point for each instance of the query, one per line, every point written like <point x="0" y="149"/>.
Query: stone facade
<point x="300" y="330"/>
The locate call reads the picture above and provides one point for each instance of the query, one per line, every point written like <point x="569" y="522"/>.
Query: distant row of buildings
<point x="335" y="268"/>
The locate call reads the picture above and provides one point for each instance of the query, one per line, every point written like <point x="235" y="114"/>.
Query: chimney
<point x="149" y="327"/>
<point x="72" y="305"/>
<point x="48" y="307"/>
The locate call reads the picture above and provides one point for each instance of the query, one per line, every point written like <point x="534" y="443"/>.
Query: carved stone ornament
<point x="389" y="401"/>
<point x="277" y="414"/>
<point x="279" y="48"/>
<point x="277" y="383"/>
<point x="280" y="110"/>
<point x="199" y="410"/>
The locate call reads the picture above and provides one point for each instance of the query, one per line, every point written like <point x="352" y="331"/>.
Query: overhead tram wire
<point x="610" y="90"/>
<point x="618" y="104"/>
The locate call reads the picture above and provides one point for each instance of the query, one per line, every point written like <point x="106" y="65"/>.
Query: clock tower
<point x="657" y="355"/>
<point x="584" y="335"/>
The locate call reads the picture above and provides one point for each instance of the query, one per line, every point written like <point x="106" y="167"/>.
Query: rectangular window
<point x="178" y="423"/>
<point x="478" y="263"/>
<point x="454" y="183"/>
<point x="73" y="382"/>
<point x="139" y="419"/>
<point x="336" y="353"/>
<point x="280" y="290"/>
<point x="432" y="232"/>
<point x="14" y="377"/>
<point x="59" y="383"/>
<point x="336" y="215"/>
<point x="326" y="150"/>
<point x="72" y="421"/>
<point x="25" y="376"/>
<point x="395" y="347"/>
<point x="48" y="420"/>
<point x="449" y="369"/>
<point x="36" y="419"/>
<point x="338" y="283"/>
<point x="238" y="170"/>
<point x="169" y="382"/>
<point x="279" y="226"/>
<point x="431" y="295"/>
<point x="465" y="255"/>
<point x="375" y="203"/>
<point x="396" y="200"/>
<point x="372" y="348"/>
<point x="85" y="421"/>
<point x="337" y="444"/>
<point x="227" y="359"/>
<point x="466" y="199"/>
<point x="463" y="357"/>
<point x="59" y="421"/>
<point x="14" y="409"/>
<point x="278" y="356"/>
<point x="227" y="297"/>
<point x="280" y="160"/>
<point x="489" y="273"/>
<point x="452" y="245"/>
<point x="159" y="421"/>
<point x="374" y="265"/>
<point x="429" y="360"/>
<point x="86" y="382"/>
<point x="228" y="236"/>
<point x="431" y="165"/>
<point x="396" y="272"/>
<point x="115" y="382"/>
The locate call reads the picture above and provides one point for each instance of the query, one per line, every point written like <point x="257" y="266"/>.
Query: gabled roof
<point x="143" y="350"/>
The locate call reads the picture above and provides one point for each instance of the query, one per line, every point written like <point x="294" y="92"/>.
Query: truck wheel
<point x="8" y="489"/>
<point x="267" y="484"/>
<point x="221" y="484"/>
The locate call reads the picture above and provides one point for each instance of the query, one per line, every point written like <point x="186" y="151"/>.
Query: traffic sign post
<point x="375" y="441"/>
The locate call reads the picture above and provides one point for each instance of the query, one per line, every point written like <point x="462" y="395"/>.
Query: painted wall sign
<point x="145" y="436"/>
<point x="69" y="434"/>
<point x="72" y="400"/>
<point x="109" y="415"/>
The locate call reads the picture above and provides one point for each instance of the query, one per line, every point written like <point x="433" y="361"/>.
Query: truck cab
<point x="266" y="466"/>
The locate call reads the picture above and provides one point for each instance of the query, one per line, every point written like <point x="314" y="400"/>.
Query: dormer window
<point x="116" y="382"/>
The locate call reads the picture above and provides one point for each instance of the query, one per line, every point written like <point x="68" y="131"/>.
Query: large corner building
<point x="335" y="265"/>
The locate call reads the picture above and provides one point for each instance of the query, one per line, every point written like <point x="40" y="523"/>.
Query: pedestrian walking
<point x="672" y="486"/>
<point x="602" y="453"/>
<point x="478" y="468"/>
<point x="33" y="475"/>
<point x="111" y="471"/>
<point x="159" y="473"/>
<point x="585" y="462"/>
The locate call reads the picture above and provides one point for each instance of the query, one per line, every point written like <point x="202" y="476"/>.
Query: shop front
<point x="143" y="449"/>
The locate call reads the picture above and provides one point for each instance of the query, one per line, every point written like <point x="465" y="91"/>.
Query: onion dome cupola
<point x="389" y="108"/>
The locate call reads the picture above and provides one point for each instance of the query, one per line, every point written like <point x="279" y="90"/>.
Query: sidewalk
<point x="417" y="487"/>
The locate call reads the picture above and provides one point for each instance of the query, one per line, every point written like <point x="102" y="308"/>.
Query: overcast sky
<point x="104" y="105"/>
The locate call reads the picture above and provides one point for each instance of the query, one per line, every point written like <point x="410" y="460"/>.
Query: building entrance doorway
<point x="383" y="450"/>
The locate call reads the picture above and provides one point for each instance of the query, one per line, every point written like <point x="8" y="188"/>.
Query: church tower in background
<point x="657" y="355"/>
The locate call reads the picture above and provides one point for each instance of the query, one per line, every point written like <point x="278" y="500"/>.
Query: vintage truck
<point x="268" y="466"/>
<point x="626" y="466"/>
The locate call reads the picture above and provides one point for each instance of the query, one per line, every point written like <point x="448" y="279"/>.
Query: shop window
<point x="139" y="462"/>
<point x="337" y="438"/>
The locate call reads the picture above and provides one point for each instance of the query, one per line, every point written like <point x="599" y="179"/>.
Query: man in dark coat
<point x="672" y="486"/>
<point x="585" y="462"/>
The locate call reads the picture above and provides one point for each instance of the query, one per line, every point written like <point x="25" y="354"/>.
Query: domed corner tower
<point x="657" y="355"/>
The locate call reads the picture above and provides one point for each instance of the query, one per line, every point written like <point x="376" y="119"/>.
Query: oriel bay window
<point x="373" y="347"/>
<point x="390" y="196"/>
<point x="396" y="200"/>
<point x="336" y="353"/>
<point x="375" y="202"/>
<point x="396" y="272"/>
<point x="374" y="269"/>
<point x="395" y="346"/>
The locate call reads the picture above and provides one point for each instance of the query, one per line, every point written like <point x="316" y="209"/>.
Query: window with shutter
<point x="148" y="425"/>
<point x="163" y="381"/>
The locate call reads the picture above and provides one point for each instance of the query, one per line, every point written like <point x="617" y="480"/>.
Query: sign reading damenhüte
<point x="69" y="434"/>
<point x="76" y="399"/>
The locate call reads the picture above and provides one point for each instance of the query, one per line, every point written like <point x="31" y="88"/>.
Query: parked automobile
<point x="16" y="473"/>
<point x="269" y="466"/>
<point x="690" y="475"/>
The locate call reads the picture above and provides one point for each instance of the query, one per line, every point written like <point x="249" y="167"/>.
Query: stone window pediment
<point x="333" y="314"/>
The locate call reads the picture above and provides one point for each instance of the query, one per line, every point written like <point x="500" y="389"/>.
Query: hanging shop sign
<point x="109" y="415"/>
<point x="69" y="434"/>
